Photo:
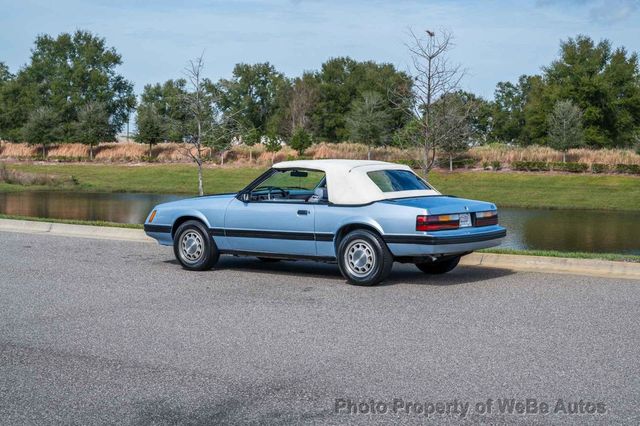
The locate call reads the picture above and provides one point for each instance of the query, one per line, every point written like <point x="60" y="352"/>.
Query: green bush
<point x="485" y="165"/>
<point x="599" y="168"/>
<point x="530" y="166"/>
<point x="496" y="165"/>
<point x="66" y="159"/>
<point x="569" y="167"/>
<point x="301" y="140"/>
<point x="633" y="169"/>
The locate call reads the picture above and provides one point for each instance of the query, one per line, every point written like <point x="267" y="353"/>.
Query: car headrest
<point x="321" y="193"/>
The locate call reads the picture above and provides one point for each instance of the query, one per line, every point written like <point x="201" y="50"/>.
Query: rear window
<point x="397" y="180"/>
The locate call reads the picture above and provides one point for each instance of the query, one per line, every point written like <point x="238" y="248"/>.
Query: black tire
<point x="269" y="259"/>
<point x="439" y="267"/>
<point x="201" y="253"/>
<point x="369" y="270"/>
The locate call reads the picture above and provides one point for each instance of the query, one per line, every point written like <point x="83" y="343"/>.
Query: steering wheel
<point x="271" y="190"/>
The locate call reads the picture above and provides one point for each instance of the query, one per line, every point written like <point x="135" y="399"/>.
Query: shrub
<point x="569" y="167"/>
<point x="633" y="169"/>
<point x="485" y="165"/>
<point x="300" y="141"/>
<point x="496" y="165"/>
<point x="599" y="168"/>
<point x="530" y="166"/>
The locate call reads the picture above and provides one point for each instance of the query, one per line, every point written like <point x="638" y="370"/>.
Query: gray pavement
<point x="98" y="331"/>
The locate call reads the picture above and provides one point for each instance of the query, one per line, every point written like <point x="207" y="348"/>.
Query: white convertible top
<point x="348" y="182"/>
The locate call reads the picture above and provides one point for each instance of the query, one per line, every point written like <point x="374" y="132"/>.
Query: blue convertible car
<point x="364" y="215"/>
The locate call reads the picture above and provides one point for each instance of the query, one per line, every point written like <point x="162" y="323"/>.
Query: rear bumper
<point x="417" y="245"/>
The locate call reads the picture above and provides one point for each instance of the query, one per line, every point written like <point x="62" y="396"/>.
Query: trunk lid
<point x="443" y="204"/>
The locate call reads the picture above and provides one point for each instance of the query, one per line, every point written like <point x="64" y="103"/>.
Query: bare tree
<point x="435" y="77"/>
<point x="303" y="96"/>
<point x="198" y="108"/>
<point x="206" y="128"/>
<point x="452" y="123"/>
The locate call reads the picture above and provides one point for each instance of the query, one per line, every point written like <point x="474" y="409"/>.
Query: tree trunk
<point x="149" y="151"/>
<point x="91" y="151"/>
<point x="450" y="162"/>
<point x="368" y="152"/>
<point x="564" y="156"/>
<point x="200" y="189"/>
<point x="44" y="152"/>
<point x="222" y="158"/>
<point x="250" y="155"/>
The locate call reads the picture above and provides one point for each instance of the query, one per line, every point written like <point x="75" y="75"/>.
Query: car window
<point x="292" y="179"/>
<point x="397" y="180"/>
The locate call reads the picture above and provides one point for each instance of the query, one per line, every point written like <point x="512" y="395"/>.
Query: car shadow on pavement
<point x="460" y="275"/>
<point x="401" y="274"/>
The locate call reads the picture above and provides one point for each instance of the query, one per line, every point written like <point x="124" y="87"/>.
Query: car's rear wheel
<point x="439" y="267"/>
<point x="363" y="258"/>
<point x="194" y="248"/>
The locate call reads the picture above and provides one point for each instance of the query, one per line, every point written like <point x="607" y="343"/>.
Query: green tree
<point x="343" y="80"/>
<point x="452" y="121"/>
<point x="5" y="119"/>
<point x="272" y="144"/>
<point x="604" y="83"/>
<point x="565" y="127"/>
<point x="93" y="125"/>
<point x="300" y="141"/>
<point x="153" y="127"/>
<point x="250" y="98"/>
<point x="65" y="73"/>
<point x="508" y="118"/>
<point x="167" y="100"/>
<point x="368" y="121"/>
<point x="250" y="138"/>
<point x="5" y="75"/>
<point x="42" y="128"/>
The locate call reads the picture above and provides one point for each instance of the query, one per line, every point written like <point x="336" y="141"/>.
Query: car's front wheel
<point x="363" y="258"/>
<point x="439" y="267"/>
<point x="194" y="248"/>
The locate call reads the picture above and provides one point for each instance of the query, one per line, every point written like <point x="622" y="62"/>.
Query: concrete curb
<point x="556" y="265"/>
<point x="69" y="230"/>
<point x="560" y="265"/>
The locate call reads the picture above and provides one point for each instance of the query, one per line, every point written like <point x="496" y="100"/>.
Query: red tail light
<point x="487" y="218"/>
<point x="437" y="222"/>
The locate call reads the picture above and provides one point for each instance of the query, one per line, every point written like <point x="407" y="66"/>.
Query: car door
<point x="271" y="227"/>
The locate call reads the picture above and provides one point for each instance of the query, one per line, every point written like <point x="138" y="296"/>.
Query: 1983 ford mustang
<point x="364" y="215"/>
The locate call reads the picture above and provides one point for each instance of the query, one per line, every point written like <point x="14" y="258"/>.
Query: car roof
<point x="348" y="182"/>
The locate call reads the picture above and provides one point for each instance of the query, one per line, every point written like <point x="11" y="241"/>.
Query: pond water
<point x="564" y="230"/>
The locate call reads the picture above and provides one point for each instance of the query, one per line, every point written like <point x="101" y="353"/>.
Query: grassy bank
<point x="571" y="255"/>
<point x="507" y="189"/>
<point x="72" y="222"/>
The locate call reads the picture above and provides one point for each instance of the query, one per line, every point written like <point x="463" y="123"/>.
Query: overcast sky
<point x="495" y="40"/>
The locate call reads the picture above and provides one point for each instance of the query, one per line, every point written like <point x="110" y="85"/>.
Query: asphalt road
<point x="95" y="331"/>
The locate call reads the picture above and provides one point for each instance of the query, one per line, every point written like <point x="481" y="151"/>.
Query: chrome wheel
<point x="191" y="246"/>
<point x="359" y="258"/>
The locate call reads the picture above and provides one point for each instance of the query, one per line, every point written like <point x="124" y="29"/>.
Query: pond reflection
<point x="563" y="230"/>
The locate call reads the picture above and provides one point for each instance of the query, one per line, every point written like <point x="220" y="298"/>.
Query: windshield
<point x="397" y="180"/>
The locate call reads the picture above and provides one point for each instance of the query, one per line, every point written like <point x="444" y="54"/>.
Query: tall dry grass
<point x="243" y="155"/>
<point x="507" y="155"/>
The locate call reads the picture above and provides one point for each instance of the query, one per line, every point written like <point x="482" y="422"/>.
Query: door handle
<point x="303" y="212"/>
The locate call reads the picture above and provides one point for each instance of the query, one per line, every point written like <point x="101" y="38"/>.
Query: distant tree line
<point x="70" y="91"/>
